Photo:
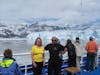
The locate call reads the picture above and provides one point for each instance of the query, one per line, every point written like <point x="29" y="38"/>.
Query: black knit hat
<point x="77" y="38"/>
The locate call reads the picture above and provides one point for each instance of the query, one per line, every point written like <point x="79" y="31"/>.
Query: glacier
<point x="63" y="35"/>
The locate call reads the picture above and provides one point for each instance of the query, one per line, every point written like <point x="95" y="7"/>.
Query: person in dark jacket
<point x="8" y="65"/>
<point x="55" y="61"/>
<point x="71" y="54"/>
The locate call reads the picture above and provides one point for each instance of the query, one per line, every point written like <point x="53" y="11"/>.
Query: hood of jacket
<point x="6" y="63"/>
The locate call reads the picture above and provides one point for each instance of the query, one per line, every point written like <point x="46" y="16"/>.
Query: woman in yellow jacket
<point x="37" y="56"/>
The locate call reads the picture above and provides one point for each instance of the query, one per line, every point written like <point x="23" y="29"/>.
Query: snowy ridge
<point x="24" y="30"/>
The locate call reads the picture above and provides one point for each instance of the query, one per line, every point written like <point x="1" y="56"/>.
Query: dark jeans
<point x="71" y="62"/>
<point x="54" y="67"/>
<point x="38" y="69"/>
<point x="90" y="61"/>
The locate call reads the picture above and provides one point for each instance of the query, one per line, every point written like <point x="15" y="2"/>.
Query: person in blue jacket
<point x="8" y="65"/>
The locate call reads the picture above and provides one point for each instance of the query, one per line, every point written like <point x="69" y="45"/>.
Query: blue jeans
<point x="90" y="61"/>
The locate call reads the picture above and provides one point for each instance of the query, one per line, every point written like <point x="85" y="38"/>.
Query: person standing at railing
<point x="8" y="65"/>
<point x="37" y="56"/>
<point x="79" y="51"/>
<point x="71" y="54"/>
<point x="91" y="48"/>
<point x="55" y="61"/>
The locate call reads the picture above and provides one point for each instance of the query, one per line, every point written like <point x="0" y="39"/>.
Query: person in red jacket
<point x="91" y="48"/>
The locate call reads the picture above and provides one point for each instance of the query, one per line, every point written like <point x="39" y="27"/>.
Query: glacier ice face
<point x="63" y="35"/>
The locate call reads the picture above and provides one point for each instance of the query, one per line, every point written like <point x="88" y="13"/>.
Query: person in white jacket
<point x="79" y="49"/>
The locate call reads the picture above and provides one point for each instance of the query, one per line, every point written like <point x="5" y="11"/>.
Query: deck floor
<point x="95" y="72"/>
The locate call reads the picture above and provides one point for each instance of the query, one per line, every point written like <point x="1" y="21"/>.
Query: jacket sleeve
<point x="47" y="47"/>
<point x="0" y="70"/>
<point x="62" y="47"/>
<point x="86" y="47"/>
<point x="18" y="70"/>
<point x="96" y="46"/>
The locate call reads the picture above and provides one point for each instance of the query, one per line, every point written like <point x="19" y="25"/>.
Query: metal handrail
<point x="19" y="54"/>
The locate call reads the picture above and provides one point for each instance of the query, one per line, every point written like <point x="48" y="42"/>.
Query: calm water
<point x="18" y="46"/>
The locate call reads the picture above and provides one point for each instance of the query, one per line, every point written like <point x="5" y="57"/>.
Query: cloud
<point x="67" y="11"/>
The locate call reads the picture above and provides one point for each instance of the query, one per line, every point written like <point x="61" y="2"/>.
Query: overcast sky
<point x="49" y="11"/>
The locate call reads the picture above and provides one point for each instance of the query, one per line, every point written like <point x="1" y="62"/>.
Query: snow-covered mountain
<point x="23" y="30"/>
<point x="9" y="31"/>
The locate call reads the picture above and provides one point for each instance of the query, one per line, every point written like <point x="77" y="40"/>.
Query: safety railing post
<point x="25" y="69"/>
